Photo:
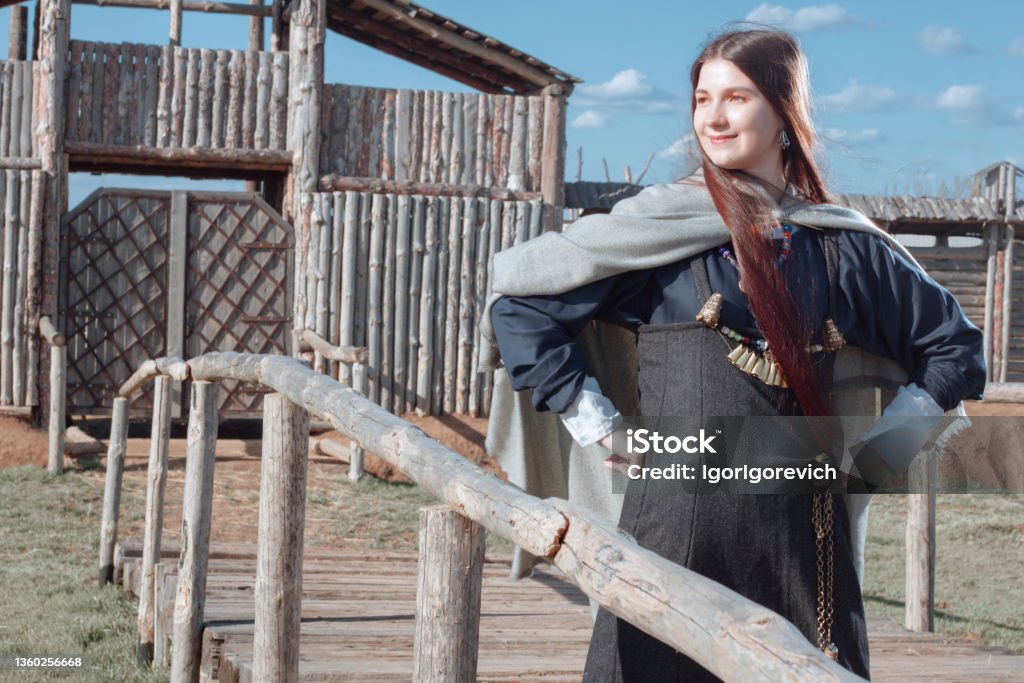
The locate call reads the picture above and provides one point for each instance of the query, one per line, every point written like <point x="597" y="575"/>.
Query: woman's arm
<point x="889" y="307"/>
<point x="535" y="336"/>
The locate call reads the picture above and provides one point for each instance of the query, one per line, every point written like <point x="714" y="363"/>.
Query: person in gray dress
<point x="746" y="329"/>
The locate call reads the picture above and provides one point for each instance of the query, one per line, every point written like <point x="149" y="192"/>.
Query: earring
<point x="784" y="140"/>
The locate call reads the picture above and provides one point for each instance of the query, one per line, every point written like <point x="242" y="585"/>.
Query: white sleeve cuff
<point x="591" y="416"/>
<point x="913" y="401"/>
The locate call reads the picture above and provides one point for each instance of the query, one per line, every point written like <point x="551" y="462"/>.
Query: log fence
<point x="718" y="628"/>
<point x="21" y="203"/>
<point x="406" y="277"/>
<point x="150" y="96"/>
<point x="420" y="136"/>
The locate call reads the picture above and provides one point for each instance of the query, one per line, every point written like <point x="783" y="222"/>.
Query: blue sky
<point x="908" y="95"/>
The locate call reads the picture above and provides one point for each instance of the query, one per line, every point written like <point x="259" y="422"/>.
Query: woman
<point x="740" y="282"/>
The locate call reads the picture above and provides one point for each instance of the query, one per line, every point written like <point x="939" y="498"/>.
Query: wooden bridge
<point x="278" y="612"/>
<point x="359" y="611"/>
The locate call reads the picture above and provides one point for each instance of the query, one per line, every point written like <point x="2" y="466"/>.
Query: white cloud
<point x="801" y="20"/>
<point x="678" y="149"/>
<point x="859" y="97"/>
<point x="589" y="119"/>
<point x="961" y="97"/>
<point x="1016" y="48"/>
<point x="852" y="137"/>
<point x="942" y="40"/>
<point x="625" y="84"/>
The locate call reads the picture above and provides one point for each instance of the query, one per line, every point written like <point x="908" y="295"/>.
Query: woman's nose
<point x="716" y="115"/>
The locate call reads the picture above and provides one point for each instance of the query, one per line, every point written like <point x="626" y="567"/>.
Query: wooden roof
<point x="415" y="34"/>
<point x="926" y="214"/>
<point x="905" y="213"/>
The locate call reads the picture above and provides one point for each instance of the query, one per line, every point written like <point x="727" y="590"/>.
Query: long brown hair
<point x="774" y="62"/>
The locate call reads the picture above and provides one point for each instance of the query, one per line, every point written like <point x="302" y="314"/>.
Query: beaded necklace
<point x="751" y="353"/>
<point x="787" y="247"/>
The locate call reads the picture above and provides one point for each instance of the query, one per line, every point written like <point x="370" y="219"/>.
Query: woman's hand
<point x="620" y="458"/>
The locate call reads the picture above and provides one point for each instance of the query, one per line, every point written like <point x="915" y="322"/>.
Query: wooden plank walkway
<point x="359" y="609"/>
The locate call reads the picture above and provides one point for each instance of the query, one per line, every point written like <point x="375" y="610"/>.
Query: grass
<point x="50" y="604"/>
<point x="979" y="570"/>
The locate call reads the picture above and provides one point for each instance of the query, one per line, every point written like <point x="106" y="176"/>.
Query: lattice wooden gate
<point x="147" y="273"/>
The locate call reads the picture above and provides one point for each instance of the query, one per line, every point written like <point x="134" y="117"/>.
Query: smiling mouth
<point x="719" y="139"/>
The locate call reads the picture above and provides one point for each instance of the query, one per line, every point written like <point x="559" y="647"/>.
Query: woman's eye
<point x="737" y="98"/>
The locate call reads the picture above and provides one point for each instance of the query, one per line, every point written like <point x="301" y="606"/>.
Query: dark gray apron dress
<point x="761" y="546"/>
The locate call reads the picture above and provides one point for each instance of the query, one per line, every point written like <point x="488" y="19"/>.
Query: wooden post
<point x="1007" y="312"/>
<point x="256" y="29"/>
<point x="58" y="384"/>
<point x="305" y="89"/>
<point x="164" y="588"/>
<point x="175" y="32"/>
<point x="920" y="588"/>
<point x="992" y="237"/>
<point x="112" y="488"/>
<point x="17" y="41"/>
<point x="156" y="480"/>
<point x="278" y="39"/>
<point x="448" y="596"/>
<point x="49" y="115"/>
<point x="197" y="506"/>
<point x="553" y="156"/>
<point x="279" y="553"/>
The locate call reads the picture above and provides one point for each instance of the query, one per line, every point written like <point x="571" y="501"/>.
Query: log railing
<point x="733" y="637"/>
<point x="353" y="360"/>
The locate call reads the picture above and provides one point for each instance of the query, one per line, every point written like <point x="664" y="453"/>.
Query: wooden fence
<point x="17" y="124"/>
<point x="163" y="96"/>
<point x="435" y="137"/>
<point x="406" y="276"/>
<point x="961" y="270"/>
<point x="22" y="218"/>
<point x="723" y="631"/>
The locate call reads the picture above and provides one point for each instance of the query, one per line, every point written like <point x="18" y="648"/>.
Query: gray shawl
<point x="660" y="225"/>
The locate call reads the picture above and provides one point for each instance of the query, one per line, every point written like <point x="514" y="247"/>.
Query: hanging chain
<point x="821" y="515"/>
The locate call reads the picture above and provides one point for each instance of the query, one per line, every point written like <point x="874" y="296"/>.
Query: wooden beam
<point x="278" y="36"/>
<point x="186" y="5"/>
<point x="50" y="332"/>
<point x="500" y="59"/>
<point x="448" y="583"/>
<point x="919" y="614"/>
<point x="196" y="513"/>
<point x="992" y="243"/>
<point x="20" y="163"/>
<point x="1004" y="392"/>
<point x="339" y="183"/>
<point x="174" y="35"/>
<point x="18" y="38"/>
<point x="552" y="164"/>
<point x="343" y="354"/>
<point x="408" y="47"/>
<point x="156" y="481"/>
<point x="256" y="27"/>
<point x="185" y="157"/>
<point x="49" y="116"/>
<point x="282" y="513"/>
<point x="112" y="488"/>
<point x="1007" y="307"/>
<point x="58" y="406"/>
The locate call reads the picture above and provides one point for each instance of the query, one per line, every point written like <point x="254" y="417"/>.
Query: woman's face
<point x="736" y="126"/>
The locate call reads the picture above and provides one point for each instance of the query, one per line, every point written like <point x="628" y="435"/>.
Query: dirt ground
<point x="21" y="444"/>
